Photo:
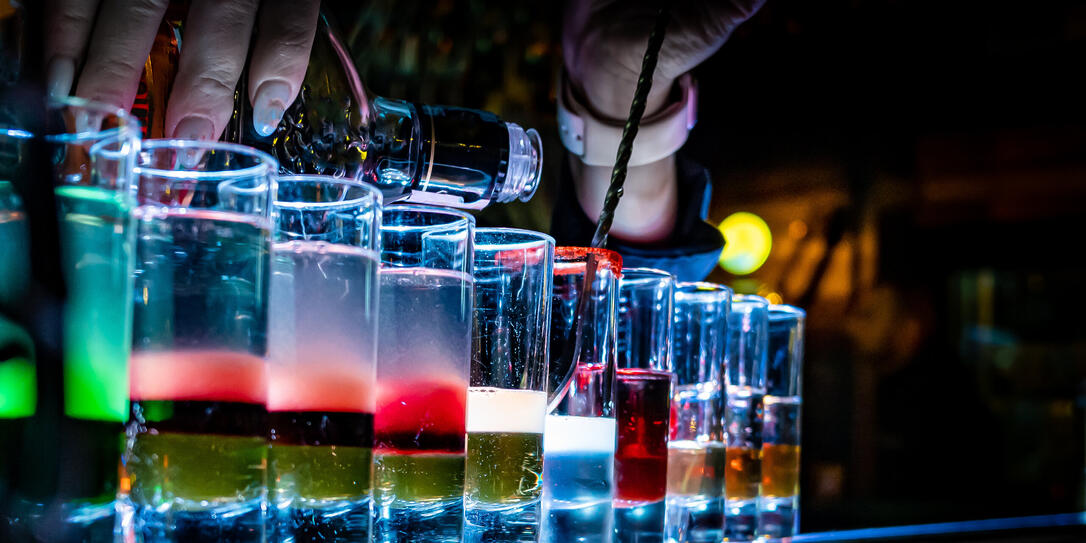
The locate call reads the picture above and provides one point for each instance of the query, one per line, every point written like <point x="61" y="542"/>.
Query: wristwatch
<point x="596" y="140"/>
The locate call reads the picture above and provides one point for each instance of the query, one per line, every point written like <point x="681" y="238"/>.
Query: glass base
<point x="76" y="522"/>
<point x="512" y="524"/>
<point x="641" y="523"/>
<point x="585" y="523"/>
<point x="342" y="521"/>
<point x="694" y="519"/>
<point x="436" y="522"/>
<point x="740" y="520"/>
<point x="239" y="522"/>
<point x="778" y="517"/>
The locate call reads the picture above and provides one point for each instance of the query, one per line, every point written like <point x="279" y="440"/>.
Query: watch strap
<point x="596" y="140"/>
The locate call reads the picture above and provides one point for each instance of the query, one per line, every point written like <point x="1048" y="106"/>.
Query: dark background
<point x="922" y="168"/>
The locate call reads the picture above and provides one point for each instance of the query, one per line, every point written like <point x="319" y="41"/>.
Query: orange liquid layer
<point x="742" y="473"/>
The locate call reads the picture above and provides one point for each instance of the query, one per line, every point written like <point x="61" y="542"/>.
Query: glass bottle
<point x="422" y="153"/>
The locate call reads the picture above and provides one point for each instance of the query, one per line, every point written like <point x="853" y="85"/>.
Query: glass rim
<point x="282" y="180"/>
<point x="99" y="148"/>
<point x="751" y="300"/>
<point x="535" y="240"/>
<point x="266" y="166"/>
<point x="129" y="128"/>
<point x="262" y="186"/>
<point x="571" y="255"/>
<point x="641" y="277"/>
<point x="427" y="210"/>
<point x="786" y="312"/>
<point x="702" y="291"/>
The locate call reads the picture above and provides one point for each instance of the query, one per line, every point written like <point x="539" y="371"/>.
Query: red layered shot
<point x="421" y="416"/>
<point x="199" y="391"/>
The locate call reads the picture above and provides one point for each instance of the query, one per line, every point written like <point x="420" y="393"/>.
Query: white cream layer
<point x="504" y="410"/>
<point x="579" y="434"/>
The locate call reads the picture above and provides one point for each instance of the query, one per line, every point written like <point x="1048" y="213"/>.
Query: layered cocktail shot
<point x="507" y="401"/>
<point x="696" y="449"/>
<point x="579" y="441"/>
<point x="196" y="451"/>
<point x="322" y="351"/>
<point x="423" y="360"/>
<point x="778" y="514"/>
<point x="745" y="356"/>
<point x="642" y="402"/>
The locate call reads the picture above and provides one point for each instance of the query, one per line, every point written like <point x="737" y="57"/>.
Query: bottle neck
<point x="469" y="158"/>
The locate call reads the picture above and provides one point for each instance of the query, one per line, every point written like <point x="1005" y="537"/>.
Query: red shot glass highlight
<point x="643" y="409"/>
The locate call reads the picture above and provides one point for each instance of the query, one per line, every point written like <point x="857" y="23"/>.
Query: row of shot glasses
<point x="704" y="389"/>
<point x="295" y="360"/>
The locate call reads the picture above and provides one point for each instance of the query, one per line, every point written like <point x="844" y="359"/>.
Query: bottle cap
<point x="525" y="165"/>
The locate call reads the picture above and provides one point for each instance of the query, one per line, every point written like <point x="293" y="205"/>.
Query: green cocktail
<point x="96" y="232"/>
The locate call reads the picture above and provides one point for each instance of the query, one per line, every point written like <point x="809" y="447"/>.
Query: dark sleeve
<point x="691" y="251"/>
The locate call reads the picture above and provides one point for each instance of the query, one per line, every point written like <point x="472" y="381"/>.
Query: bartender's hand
<point x="603" y="44"/>
<point x="111" y="39"/>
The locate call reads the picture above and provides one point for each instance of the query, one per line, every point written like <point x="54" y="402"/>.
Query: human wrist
<point x="648" y="209"/>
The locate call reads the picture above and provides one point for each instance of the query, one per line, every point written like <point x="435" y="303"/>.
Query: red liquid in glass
<point x="421" y="417"/>
<point x="643" y="406"/>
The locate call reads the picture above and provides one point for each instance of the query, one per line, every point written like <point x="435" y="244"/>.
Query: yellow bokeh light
<point x="747" y="243"/>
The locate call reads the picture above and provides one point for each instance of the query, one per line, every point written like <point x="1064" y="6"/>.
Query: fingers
<point x="123" y="34"/>
<point x="213" y="53"/>
<point x="67" y="26"/>
<point x="280" y="55"/>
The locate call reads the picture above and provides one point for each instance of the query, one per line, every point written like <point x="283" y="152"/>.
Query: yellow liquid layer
<point x="167" y="467"/>
<point x="320" y="472"/>
<point x="780" y="470"/>
<point x="504" y="468"/>
<point x="418" y="477"/>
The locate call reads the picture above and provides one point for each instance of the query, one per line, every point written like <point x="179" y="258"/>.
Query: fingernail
<point x="59" y="77"/>
<point x="192" y="128"/>
<point x="269" y="104"/>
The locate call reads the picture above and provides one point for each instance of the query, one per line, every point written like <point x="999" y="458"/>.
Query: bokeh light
<point x="747" y="243"/>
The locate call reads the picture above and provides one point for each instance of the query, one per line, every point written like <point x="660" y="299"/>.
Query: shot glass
<point x="20" y="368"/>
<point x="579" y="435"/>
<point x="94" y="148"/>
<point x="507" y="400"/>
<point x="778" y="515"/>
<point x="745" y="355"/>
<point x="424" y="348"/>
<point x="642" y="402"/>
<point x="322" y="354"/>
<point x="196" y="449"/>
<point x="74" y="497"/>
<point x="697" y="449"/>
